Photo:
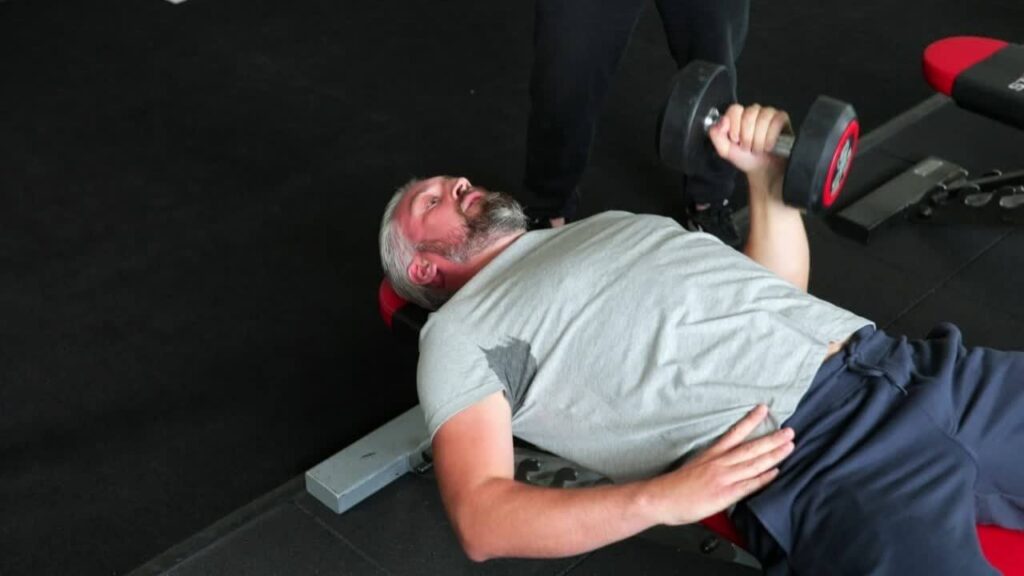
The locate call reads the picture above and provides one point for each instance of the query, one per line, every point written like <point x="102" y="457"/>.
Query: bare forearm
<point x="777" y="238"/>
<point x="494" y="516"/>
<point x="515" y="519"/>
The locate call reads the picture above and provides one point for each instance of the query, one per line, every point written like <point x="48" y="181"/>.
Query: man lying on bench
<point x="696" y="378"/>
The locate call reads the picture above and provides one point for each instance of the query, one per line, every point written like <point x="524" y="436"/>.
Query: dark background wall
<point x="190" y="197"/>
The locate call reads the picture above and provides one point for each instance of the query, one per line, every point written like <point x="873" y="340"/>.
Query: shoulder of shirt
<point x="439" y="327"/>
<point x="621" y="215"/>
<point x="449" y="317"/>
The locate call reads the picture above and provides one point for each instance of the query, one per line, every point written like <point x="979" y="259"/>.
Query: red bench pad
<point x="945" y="59"/>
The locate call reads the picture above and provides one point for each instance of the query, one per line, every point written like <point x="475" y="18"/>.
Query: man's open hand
<point x="726" y="472"/>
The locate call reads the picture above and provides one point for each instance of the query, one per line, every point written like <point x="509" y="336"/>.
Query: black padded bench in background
<point x="982" y="75"/>
<point x="906" y="279"/>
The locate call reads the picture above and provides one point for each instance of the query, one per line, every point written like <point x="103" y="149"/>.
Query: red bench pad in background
<point x="389" y="301"/>
<point x="1003" y="548"/>
<point x="945" y="59"/>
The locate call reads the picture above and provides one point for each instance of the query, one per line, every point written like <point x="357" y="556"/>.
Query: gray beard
<point x="500" y="216"/>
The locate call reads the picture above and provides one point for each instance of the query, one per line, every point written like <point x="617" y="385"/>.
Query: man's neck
<point x="481" y="260"/>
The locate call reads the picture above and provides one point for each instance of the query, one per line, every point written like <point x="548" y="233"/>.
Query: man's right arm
<point x="777" y="239"/>
<point x="495" y="516"/>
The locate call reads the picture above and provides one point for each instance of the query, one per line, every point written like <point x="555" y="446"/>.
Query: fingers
<point x="757" y="465"/>
<point x="779" y="123"/>
<point x="760" y="135"/>
<point x="751" y="485"/>
<point x="740" y="430"/>
<point x="731" y="469"/>
<point x="734" y="114"/>
<point x="753" y="128"/>
<point x="748" y="451"/>
<point x="719" y="136"/>
<point x="773" y="123"/>
<point x="748" y="127"/>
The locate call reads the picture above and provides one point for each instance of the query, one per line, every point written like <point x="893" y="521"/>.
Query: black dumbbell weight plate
<point x="822" y="155"/>
<point x="681" y="141"/>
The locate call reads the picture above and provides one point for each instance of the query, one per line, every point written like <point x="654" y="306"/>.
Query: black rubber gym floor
<point x="188" y="236"/>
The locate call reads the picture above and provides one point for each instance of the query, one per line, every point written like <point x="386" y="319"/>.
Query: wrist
<point x="660" y="502"/>
<point x="648" y="503"/>
<point x="765" y="187"/>
<point x="766" y="181"/>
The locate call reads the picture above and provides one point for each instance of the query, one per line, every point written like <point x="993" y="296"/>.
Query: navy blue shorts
<point x="901" y="448"/>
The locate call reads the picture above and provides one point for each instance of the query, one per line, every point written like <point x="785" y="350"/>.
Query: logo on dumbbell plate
<point x="841" y="166"/>
<point x="1018" y="85"/>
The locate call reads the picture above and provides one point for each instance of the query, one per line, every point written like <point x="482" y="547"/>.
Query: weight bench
<point x="402" y="445"/>
<point x="983" y="75"/>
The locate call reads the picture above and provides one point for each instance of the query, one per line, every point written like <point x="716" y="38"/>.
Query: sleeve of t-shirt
<point x="452" y="374"/>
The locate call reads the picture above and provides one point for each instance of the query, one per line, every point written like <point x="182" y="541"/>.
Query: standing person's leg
<point x="577" y="46"/>
<point x="715" y="31"/>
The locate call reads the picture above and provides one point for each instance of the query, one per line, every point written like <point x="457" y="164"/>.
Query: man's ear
<point x="422" y="271"/>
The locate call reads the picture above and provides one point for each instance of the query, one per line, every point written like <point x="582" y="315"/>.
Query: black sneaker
<point x="542" y="221"/>
<point x="715" y="219"/>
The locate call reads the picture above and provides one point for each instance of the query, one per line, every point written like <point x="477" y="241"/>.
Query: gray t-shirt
<point x="624" y="343"/>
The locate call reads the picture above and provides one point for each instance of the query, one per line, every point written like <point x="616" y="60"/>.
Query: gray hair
<point x="397" y="253"/>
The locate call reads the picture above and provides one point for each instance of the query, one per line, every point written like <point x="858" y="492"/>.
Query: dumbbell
<point x="819" y="157"/>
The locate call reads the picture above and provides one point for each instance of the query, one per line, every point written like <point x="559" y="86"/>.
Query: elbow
<point x="480" y="528"/>
<point x="474" y="541"/>
<point x="477" y="530"/>
<point x="475" y="554"/>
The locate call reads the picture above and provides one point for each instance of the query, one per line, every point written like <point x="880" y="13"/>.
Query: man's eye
<point x="432" y="202"/>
